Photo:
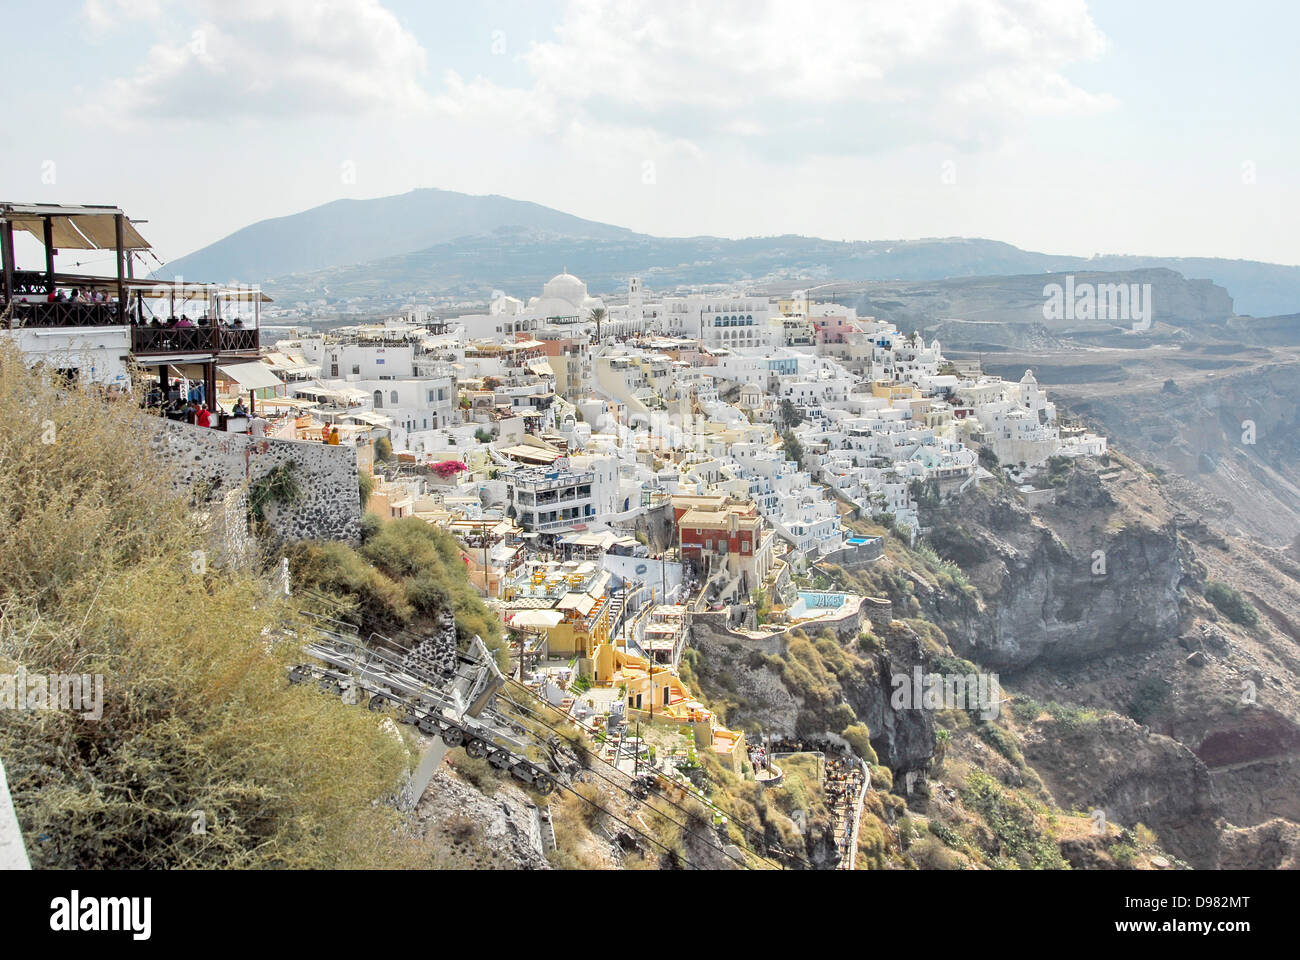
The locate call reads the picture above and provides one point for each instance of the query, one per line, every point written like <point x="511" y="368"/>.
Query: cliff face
<point x="1224" y="422"/>
<point x="755" y="691"/>
<point x="1132" y="776"/>
<point x="1069" y="582"/>
<point x="1007" y="312"/>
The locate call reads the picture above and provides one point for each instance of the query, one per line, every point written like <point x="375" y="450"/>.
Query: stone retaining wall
<point x="330" y="505"/>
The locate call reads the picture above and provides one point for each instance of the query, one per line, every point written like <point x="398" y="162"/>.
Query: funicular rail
<point x="454" y="705"/>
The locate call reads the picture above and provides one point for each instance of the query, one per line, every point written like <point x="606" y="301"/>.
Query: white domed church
<point x="564" y="295"/>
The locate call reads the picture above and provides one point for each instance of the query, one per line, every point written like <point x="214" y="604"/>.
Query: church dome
<point x="567" y="287"/>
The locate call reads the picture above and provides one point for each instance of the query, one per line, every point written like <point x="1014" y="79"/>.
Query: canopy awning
<point x="252" y="375"/>
<point x="313" y="391"/>
<point x="374" y="419"/>
<point x="535" y="618"/>
<point x="74" y="227"/>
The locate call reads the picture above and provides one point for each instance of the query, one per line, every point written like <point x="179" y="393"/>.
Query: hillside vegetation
<point x="204" y="755"/>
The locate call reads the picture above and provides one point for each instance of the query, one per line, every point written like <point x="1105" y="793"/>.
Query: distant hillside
<point x="994" y="313"/>
<point x="354" y="231"/>
<point x="437" y="243"/>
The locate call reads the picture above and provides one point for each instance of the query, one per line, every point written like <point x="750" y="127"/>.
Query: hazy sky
<point x="1116" y="126"/>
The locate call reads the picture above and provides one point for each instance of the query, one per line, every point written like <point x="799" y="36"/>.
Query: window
<point x="392" y="396"/>
<point x="356" y="368"/>
<point x="379" y="399"/>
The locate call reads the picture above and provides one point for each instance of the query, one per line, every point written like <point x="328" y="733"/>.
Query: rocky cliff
<point x="1069" y="581"/>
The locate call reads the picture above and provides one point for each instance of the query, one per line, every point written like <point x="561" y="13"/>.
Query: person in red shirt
<point x="203" y="418"/>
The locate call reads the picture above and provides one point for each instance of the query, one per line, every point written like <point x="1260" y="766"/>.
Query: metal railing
<point x="153" y="340"/>
<point x="65" y="314"/>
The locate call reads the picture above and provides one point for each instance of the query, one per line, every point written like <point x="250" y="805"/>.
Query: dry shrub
<point x="99" y="575"/>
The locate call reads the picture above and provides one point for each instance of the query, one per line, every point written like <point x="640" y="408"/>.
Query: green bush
<point x="1148" y="697"/>
<point x="859" y="738"/>
<point x="1229" y="602"/>
<point x="841" y="716"/>
<point x="363" y="595"/>
<point x="370" y="524"/>
<point x="1017" y="837"/>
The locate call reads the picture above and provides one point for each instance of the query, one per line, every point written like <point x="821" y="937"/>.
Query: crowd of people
<point x="183" y="404"/>
<point x="842" y="782"/>
<point x="843" y="778"/>
<point x="77" y="296"/>
<point x="183" y="322"/>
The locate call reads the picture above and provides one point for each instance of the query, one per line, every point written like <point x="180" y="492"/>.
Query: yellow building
<point x="585" y="626"/>
<point x="576" y="590"/>
<point x="889" y="390"/>
<point x="657" y="693"/>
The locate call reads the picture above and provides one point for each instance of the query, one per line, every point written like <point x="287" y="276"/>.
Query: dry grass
<point x="99" y="575"/>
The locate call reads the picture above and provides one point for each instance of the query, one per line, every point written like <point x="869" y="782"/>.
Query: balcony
<point x="149" y="341"/>
<point x="65" y="314"/>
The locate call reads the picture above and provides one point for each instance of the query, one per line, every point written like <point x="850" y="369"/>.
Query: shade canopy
<point x="374" y="419"/>
<point x="74" y="227"/>
<point x="252" y="375"/>
<point x="536" y="618"/>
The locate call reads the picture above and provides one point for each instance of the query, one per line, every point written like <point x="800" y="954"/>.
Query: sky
<point x="1070" y="127"/>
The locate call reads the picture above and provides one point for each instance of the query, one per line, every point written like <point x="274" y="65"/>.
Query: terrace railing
<point x="65" y="314"/>
<point x="155" y="340"/>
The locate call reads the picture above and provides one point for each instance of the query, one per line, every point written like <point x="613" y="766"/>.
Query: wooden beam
<point x="49" y="254"/>
<point x="7" y="255"/>
<point x="121" y="266"/>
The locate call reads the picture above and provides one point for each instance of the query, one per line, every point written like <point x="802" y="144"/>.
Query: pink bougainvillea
<point x="448" y="468"/>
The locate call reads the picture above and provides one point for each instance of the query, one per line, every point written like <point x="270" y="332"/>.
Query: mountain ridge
<point x="432" y="242"/>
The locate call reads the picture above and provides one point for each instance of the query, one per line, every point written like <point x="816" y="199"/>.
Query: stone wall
<point x="330" y="505"/>
<point x="879" y="610"/>
<point x="229" y="535"/>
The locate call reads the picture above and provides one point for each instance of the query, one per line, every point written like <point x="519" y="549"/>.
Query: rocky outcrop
<point x="1058" y="592"/>
<point x="736" y="669"/>
<point x="480" y="832"/>
<point x="1133" y="776"/>
<point x="1269" y="846"/>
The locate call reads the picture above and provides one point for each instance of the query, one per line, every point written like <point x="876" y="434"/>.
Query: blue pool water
<point x="822" y="600"/>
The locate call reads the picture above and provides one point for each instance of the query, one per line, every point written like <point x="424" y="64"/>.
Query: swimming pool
<point x="821" y="600"/>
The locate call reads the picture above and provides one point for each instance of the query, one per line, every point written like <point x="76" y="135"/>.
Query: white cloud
<point x="818" y="76"/>
<point x="223" y="59"/>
